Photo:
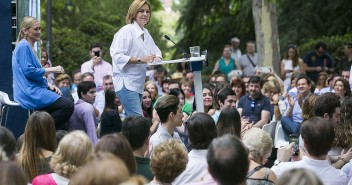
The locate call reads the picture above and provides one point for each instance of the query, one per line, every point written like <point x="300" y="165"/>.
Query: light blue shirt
<point x="30" y="87"/>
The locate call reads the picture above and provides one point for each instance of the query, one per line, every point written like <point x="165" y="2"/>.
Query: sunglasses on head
<point x="252" y="105"/>
<point x="291" y="46"/>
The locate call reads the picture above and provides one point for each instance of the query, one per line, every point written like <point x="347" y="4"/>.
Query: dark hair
<point x="229" y="122"/>
<point x="12" y="174"/>
<point x="106" y="77"/>
<point x="318" y="135"/>
<point x="295" y="60"/>
<point x="118" y="145"/>
<point x="60" y="134"/>
<point x="161" y="70"/>
<point x="326" y="103"/>
<point x="346" y="86"/>
<point x="7" y="144"/>
<point x="239" y="82"/>
<point x="84" y="87"/>
<point x="255" y="80"/>
<point x="174" y="82"/>
<point x="228" y="156"/>
<point x="137" y="130"/>
<point x="87" y="74"/>
<point x="201" y="130"/>
<point x="95" y="45"/>
<point x="75" y="71"/>
<point x="223" y="93"/>
<point x="165" y="105"/>
<point x="177" y="92"/>
<point x="148" y="110"/>
<point x="303" y="76"/>
<point x="321" y="44"/>
<point x="110" y="96"/>
<point x="165" y="81"/>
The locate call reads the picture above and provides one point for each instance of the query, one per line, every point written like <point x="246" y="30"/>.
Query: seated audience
<point x="299" y="177"/>
<point x="39" y="143"/>
<point x="229" y="122"/>
<point x="201" y="131"/>
<point x="73" y="152"/>
<point x="317" y="137"/>
<point x="226" y="98"/>
<point x="168" y="161"/>
<point x="99" y="102"/>
<point x="118" y="145"/>
<point x="110" y="119"/>
<point x="308" y="106"/>
<point x="84" y="115"/>
<point x="259" y="144"/>
<point x="137" y="132"/>
<point x="7" y="145"/>
<point x="12" y="174"/>
<point x="239" y="87"/>
<point x="147" y="107"/>
<point x="342" y="88"/>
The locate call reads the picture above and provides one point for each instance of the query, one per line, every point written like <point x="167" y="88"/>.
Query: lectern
<point x="196" y="64"/>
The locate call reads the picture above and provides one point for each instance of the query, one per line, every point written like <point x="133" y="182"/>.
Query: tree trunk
<point x="266" y="32"/>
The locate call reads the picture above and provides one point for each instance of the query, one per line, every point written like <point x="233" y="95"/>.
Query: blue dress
<point x="30" y="87"/>
<point x="226" y="69"/>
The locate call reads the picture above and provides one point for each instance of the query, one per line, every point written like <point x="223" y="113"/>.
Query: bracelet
<point x="342" y="159"/>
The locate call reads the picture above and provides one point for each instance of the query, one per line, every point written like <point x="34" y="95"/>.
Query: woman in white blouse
<point x="131" y="50"/>
<point x="290" y="64"/>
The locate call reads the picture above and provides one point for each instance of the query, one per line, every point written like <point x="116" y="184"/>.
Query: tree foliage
<point x="88" y="22"/>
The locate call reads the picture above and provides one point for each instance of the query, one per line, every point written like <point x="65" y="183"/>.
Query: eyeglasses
<point x="252" y="105"/>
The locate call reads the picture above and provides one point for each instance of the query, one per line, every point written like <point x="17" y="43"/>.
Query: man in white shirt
<point x="201" y="131"/>
<point x="100" y="99"/>
<point x="96" y="65"/>
<point x="169" y="111"/>
<point x="249" y="61"/>
<point x="317" y="137"/>
<point x="236" y="51"/>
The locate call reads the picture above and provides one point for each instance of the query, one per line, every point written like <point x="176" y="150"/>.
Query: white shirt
<point x="100" y="102"/>
<point x="60" y="180"/>
<point x="322" y="168"/>
<point x="197" y="167"/>
<point x="236" y="54"/>
<point x="161" y="135"/>
<point x="128" y="43"/>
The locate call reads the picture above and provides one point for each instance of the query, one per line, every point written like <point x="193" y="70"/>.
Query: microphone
<point x="184" y="52"/>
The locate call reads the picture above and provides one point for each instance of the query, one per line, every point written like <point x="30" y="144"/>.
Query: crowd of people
<point x="130" y="123"/>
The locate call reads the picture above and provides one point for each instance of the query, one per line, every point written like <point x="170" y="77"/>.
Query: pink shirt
<point x="100" y="70"/>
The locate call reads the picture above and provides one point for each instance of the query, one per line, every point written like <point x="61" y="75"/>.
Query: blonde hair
<point x="258" y="142"/>
<point x="168" y="161"/>
<point x="134" y="8"/>
<point x="74" y="151"/>
<point x="299" y="177"/>
<point x="27" y="23"/>
<point x="62" y="77"/>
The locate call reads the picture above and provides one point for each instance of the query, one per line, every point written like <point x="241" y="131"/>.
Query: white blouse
<point x="128" y="43"/>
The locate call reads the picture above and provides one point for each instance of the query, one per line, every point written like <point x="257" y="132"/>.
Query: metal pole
<point x="48" y="28"/>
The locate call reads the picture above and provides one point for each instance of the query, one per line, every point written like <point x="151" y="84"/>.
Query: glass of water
<point x="195" y="51"/>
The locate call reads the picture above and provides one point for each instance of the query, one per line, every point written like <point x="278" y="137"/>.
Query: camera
<point x="294" y="138"/>
<point x="97" y="53"/>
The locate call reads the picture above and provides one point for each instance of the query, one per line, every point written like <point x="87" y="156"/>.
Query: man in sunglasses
<point x="255" y="106"/>
<point x="317" y="61"/>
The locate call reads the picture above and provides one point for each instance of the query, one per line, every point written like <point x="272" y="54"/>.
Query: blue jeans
<point x="289" y="126"/>
<point x="131" y="101"/>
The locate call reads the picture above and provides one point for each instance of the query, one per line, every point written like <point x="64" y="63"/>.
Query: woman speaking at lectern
<point x="131" y="50"/>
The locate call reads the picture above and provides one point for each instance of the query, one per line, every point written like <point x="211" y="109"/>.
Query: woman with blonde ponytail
<point x="31" y="90"/>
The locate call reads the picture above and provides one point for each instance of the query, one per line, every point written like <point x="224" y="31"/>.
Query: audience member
<point x="259" y="144"/>
<point x="272" y="91"/>
<point x="207" y="100"/>
<point x="84" y="116"/>
<point x="96" y="65"/>
<point x="226" y="64"/>
<point x="236" y="51"/>
<point x="330" y="83"/>
<point x="153" y="89"/>
<point x="87" y="77"/>
<point x="118" y="145"/>
<point x="12" y="174"/>
<point x="46" y="63"/>
<point x="238" y="87"/>
<point x="77" y="79"/>
<point x="226" y="98"/>
<point x="110" y="119"/>
<point x="168" y="161"/>
<point x="342" y="88"/>
<point x="201" y="131"/>
<point x="174" y="84"/>
<point x="292" y="118"/>
<point x="7" y="145"/>
<point x="147" y="104"/>
<point x="321" y="83"/>
<point x="229" y="122"/>
<point x="160" y="75"/>
<point x="317" y="61"/>
<point x="137" y="132"/>
<point x="38" y="145"/>
<point x="308" y="106"/>
<point x="100" y="98"/>
<point x="187" y="87"/>
<point x="347" y="60"/>
<point x="249" y="62"/>
<point x="169" y="111"/>
<point x="346" y="73"/>
<point x="73" y="152"/>
<point x="317" y="137"/>
<point x="255" y="106"/>
<point x="299" y="177"/>
<point x="292" y="63"/>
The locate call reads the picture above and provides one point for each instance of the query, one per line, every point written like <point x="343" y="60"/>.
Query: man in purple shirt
<point x="97" y="66"/>
<point x="84" y="116"/>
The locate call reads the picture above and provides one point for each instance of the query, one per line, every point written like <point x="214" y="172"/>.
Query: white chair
<point x="271" y="129"/>
<point x="279" y="140"/>
<point x="7" y="103"/>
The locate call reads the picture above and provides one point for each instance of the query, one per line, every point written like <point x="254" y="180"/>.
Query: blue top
<point x="313" y="60"/>
<point x="226" y="69"/>
<point x="252" y="109"/>
<point x="30" y="87"/>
